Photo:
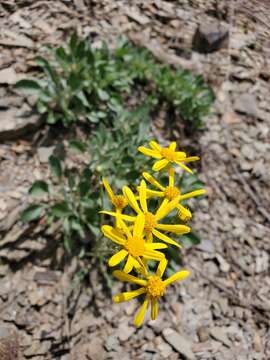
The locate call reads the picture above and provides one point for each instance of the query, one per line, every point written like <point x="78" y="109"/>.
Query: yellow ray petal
<point x="118" y="220"/>
<point x="122" y="216"/>
<point x="152" y="193"/>
<point x="180" y="155"/>
<point x="125" y="228"/>
<point x="165" y="238"/>
<point x="126" y="296"/>
<point x="139" y="226"/>
<point x="113" y="234"/>
<point x="149" y="237"/>
<point x="142" y="195"/>
<point x="120" y="275"/>
<point x="149" y="152"/>
<point x="129" y="265"/>
<point x="165" y="209"/>
<point x="181" y="275"/>
<point x="154" y="145"/>
<point x="191" y="158"/>
<point x="138" y="320"/>
<point x="153" y="255"/>
<point x="108" y="189"/>
<point x="160" y="211"/>
<point x="154" y="309"/>
<point x="171" y="177"/>
<point x="193" y="194"/>
<point x="172" y="146"/>
<point x="117" y="258"/>
<point x="184" y="167"/>
<point x="161" y="267"/>
<point x="153" y="181"/>
<point x="131" y="199"/>
<point x="184" y="213"/>
<point x="160" y="164"/>
<point x="155" y="246"/>
<point x="177" y="229"/>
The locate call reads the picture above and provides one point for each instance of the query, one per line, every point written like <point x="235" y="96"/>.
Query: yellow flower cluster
<point x="141" y="233"/>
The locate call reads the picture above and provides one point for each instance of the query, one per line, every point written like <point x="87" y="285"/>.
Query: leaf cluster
<point x="91" y="84"/>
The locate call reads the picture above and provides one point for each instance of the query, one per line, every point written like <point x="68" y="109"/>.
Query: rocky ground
<point x="222" y="311"/>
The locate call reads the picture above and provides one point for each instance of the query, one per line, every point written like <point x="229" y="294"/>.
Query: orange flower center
<point x="150" y="222"/>
<point x="135" y="246"/>
<point x="155" y="287"/>
<point x="168" y="154"/>
<point x="119" y="201"/>
<point x="171" y="192"/>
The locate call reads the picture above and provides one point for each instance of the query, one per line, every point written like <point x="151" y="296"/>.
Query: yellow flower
<point x="167" y="156"/>
<point x="118" y="201"/>
<point x="151" y="221"/>
<point x="134" y="245"/>
<point x="171" y="192"/>
<point x="153" y="287"/>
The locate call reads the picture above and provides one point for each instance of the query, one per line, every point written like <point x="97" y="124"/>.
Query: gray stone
<point x="8" y="76"/>
<point x="210" y="37"/>
<point x="179" y="343"/>
<point x="17" y="122"/>
<point x="9" y="344"/>
<point x="44" y="153"/>
<point x="246" y="104"/>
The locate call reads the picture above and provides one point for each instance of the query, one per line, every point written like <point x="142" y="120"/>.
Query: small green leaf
<point x="77" y="145"/>
<point x="41" y="107"/>
<point x="74" y="81"/>
<point x="103" y="95"/>
<point x="31" y="213"/>
<point x="61" y="210"/>
<point x="84" y="187"/>
<point x="39" y="188"/>
<point x="51" y="118"/>
<point x="29" y="86"/>
<point x="190" y="239"/>
<point x="55" y="166"/>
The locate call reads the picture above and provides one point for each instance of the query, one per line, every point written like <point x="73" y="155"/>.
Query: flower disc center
<point x="171" y="192"/>
<point x="155" y="287"/>
<point x="135" y="246"/>
<point x="168" y="154"/>
<point x="119" y="201"/>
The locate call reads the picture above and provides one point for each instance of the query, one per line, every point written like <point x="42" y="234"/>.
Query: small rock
<point x="111" y="343"/>
<point x="16" y="122"/>
<point x="230" y="118"/>
<point x="206" y="246"/>
<point x="9" y="344"/>
<point x="246" y="104"/>
<point x="179" y="343"/>
<point x="223" y="264"/>
<point x="44" y="153"/>
<point x="210" y="37"/>
<point x="262" y="262"/>
<point x="165" y="350"/>
<point x="220" y="334"/>
<point x="257" y="342"/>
<point x="203" y="333"/>
<point x="8" y="76"/>
<point x="125" y="332"/>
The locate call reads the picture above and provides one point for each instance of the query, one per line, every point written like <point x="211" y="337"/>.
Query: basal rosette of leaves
<point x="146" y="223"/>
<point x="81" y="83"/>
